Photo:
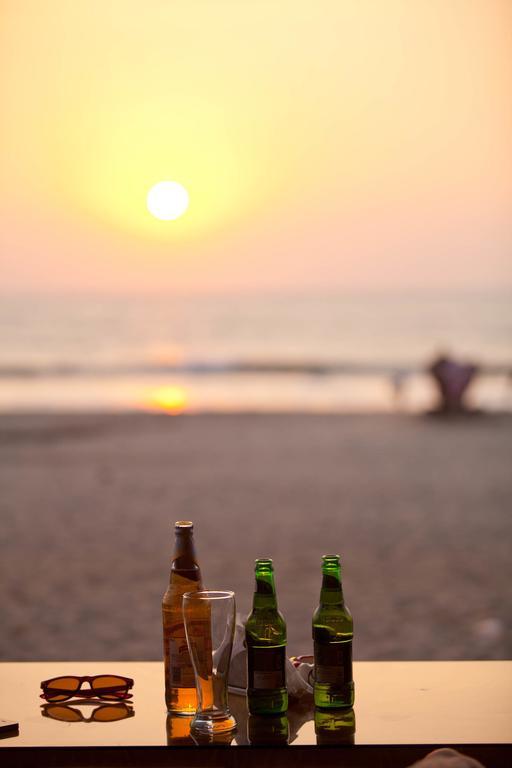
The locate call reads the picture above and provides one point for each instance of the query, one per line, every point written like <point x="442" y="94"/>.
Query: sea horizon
<point x="322" y="351"/>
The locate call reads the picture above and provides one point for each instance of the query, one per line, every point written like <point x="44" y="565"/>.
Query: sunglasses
<point x="105" y="713"/>
<point x="109" y="687"/>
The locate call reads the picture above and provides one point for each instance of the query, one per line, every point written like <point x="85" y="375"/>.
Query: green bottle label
<point x="333" y="662"/>
<point x="266" y="667"/>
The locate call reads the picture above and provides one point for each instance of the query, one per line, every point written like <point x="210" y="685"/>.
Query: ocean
<point x="332" y="352"/>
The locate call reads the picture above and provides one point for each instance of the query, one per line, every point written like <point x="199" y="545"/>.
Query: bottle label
<point x="176" y="650"/>
<point x="333" y="662"/>
<point x="266" y="667"/>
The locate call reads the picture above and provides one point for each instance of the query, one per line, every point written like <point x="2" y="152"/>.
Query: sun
<point x="167" y="200"/>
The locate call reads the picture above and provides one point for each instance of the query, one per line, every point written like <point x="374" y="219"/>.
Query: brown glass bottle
<point x="180" y="689"/>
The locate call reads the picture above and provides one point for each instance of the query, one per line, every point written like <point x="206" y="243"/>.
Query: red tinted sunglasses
<point x="109" y="687"/>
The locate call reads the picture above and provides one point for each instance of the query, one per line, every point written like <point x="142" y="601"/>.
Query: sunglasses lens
<point x="61" y="688"/>
<point x="67" y="714"/>
<point x="109" y="714"/>
<point x="109" y="686"/>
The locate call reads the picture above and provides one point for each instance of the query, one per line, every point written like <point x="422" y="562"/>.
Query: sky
<point x="326" y="145"/>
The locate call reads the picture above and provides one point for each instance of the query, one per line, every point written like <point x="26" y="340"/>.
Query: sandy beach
<point x="419" y="509"/>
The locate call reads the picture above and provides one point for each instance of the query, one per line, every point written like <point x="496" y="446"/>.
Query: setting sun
<point x="167" y="200"/>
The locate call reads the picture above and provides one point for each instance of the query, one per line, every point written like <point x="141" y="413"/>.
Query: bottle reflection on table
<point x="178" y="730"/>
<point x="103" y="713"/>
<point x="272" y="730"/>
<point x="335" y="726"/>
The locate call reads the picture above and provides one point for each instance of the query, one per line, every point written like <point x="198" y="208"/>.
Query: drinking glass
<point x="209" y="618"/>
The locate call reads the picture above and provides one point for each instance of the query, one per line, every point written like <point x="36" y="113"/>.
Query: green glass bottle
<point x="332" y="637"/>
<point x="265" y="638"/>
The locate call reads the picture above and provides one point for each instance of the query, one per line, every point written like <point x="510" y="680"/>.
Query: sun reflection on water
<point x="169" y="399"/>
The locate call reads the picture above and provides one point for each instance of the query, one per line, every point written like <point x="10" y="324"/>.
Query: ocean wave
<point x="219" y="367"/>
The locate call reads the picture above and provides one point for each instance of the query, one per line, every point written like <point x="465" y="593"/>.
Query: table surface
<point x="397" y="703"/>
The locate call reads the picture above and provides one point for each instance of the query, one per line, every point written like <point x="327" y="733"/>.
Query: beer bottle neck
<point x="332" y="590"/>
<point x="265" y="589"/>
<point x="184" y="559"/>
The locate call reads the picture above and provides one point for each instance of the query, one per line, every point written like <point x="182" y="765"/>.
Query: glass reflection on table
<point x="335" y="726"/>
<point x="222" y="739"/>
<point x="180" y="735"/>
<point x="102" y="713"/>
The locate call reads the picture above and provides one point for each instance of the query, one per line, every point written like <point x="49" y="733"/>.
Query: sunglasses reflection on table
<point x="106" y="687"/>
<point x="103" y="713"/>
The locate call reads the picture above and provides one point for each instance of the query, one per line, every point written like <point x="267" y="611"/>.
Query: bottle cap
<point x="330" y="560"/>
<point x="183" y="525"/>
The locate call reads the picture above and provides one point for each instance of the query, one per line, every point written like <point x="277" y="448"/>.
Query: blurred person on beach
<point x="452" y="379"/>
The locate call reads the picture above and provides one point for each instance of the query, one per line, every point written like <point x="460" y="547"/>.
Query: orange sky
<point x="337" y="144"/>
